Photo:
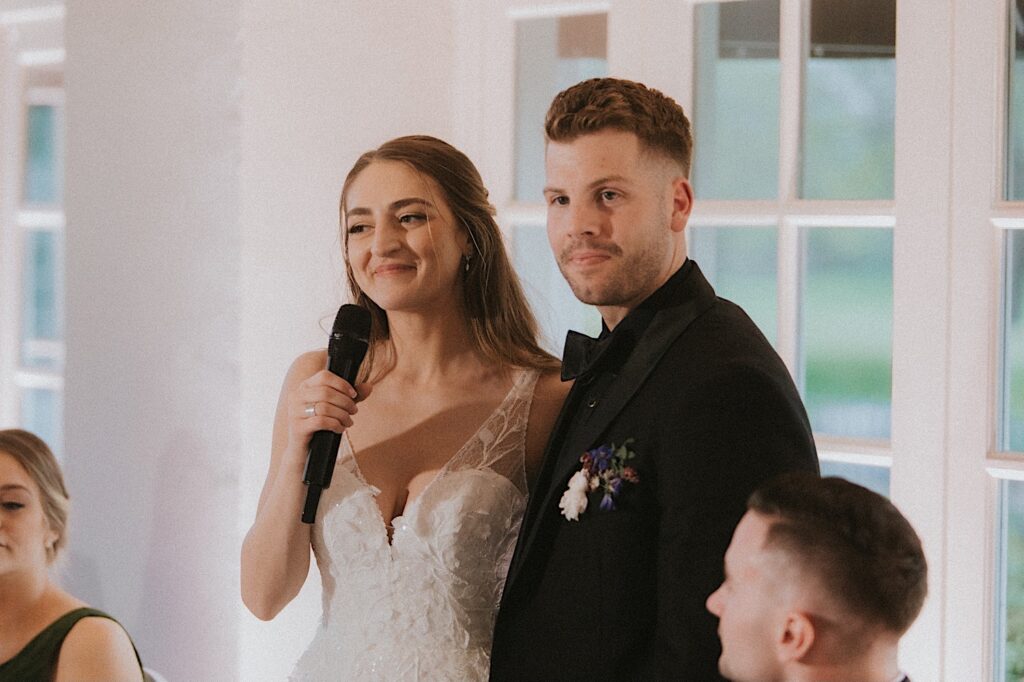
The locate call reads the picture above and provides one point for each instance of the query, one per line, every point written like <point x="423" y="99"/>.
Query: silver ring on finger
<point x="310" y="410"/>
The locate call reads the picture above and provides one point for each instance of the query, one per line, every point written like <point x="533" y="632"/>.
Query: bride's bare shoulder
<point x="551" y="390"/>
<point x="307" y="364"/>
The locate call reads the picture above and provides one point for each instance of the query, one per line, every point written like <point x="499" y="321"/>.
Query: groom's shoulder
<point x="722" y="352"/>
<point x="723" y="333"/>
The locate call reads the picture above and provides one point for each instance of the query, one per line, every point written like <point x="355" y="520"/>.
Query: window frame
<point x="29" y="39"/>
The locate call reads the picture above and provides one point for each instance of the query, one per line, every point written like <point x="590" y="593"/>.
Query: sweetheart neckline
<point x="409" y="504"/>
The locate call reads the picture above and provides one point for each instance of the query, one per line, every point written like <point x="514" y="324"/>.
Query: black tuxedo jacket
<point x="619" y="595"/>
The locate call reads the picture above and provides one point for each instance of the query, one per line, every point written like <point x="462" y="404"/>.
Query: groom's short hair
<point x="864" y="551"/>
<point x="600" y="103"/>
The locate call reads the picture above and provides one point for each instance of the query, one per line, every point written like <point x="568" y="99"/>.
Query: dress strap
<point x="500" y="442"/>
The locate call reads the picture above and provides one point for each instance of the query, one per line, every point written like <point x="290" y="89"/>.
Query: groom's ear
<point x="682" y="203"/>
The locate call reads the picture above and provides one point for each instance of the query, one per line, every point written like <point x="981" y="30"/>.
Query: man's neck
<point x="879" y="664"/>
<point x="612" y="315"/>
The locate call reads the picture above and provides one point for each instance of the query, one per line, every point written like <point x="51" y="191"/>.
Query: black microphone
<point x="345" y="352"/>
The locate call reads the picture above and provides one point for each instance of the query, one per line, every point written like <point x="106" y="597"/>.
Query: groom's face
<point x="616" y="214"/>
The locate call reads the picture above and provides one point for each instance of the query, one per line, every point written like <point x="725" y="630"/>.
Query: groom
<point x="681" y="406"/>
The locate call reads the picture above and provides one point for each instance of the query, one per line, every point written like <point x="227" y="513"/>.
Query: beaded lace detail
<point x="421" y="607"/>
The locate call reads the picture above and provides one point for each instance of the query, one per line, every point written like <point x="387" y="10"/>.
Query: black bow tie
<point x="581" y="353"/>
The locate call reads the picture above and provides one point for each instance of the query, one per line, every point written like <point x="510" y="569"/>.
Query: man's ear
<point x="682" y="203"/>
<point x="796" y="637"/>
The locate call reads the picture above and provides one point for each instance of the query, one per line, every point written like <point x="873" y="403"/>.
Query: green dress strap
<point x="37" y="661"/>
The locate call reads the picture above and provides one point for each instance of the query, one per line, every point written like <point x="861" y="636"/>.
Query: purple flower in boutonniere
<point x="603" y="467"/>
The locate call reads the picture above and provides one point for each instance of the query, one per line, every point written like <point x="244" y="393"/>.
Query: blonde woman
<point x="46" y="633"/>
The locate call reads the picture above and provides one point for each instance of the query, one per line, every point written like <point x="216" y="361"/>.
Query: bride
<point x="445" y="428"/>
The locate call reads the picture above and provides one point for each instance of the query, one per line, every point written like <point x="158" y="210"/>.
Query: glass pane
<point x="871" y="477"/>
<point x="41" y="413"/>
<point x="1013" y="344"/>
<point x="556" y="308"/>
<point x="741" y="263"/>
<point x="1015" y="120"/>
<point x="41" y="323"/>
<point x="552" y="53"/>
<point x="42" y="171"/>
<point x="736" y="122"/>
<point x="1010" y="583"/>
<point x="846" y="344"/>
<point x="849" y="100"/>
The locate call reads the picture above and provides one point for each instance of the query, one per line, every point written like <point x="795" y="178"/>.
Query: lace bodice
<point x="421" y="607"/>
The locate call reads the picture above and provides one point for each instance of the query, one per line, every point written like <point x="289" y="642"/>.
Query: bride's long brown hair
<point x="501" y="324"/>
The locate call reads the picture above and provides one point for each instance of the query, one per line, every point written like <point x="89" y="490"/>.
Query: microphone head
<point x="352" y="320"/>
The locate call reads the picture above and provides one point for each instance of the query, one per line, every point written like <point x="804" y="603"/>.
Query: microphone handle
<point x="345" y="354"/>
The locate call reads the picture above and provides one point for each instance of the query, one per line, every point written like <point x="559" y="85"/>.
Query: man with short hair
<point x="822" y="578"/>
<point x="679" y="411"/>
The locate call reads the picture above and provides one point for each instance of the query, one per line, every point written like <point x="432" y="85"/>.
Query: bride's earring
<point x="466" y="261"/>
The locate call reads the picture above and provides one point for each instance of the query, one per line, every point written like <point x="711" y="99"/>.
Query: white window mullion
<point x="39" y="380"/>
<point x="41" y="219"/>
<point x="11" y="125"/>
<point x="853" y="451"/>
<point x="791" y="274"/>
<point x="793" y="16"/>
<point x="792" y="40"/>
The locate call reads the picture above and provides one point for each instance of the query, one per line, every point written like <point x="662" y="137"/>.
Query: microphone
<point x="345" y="352"/>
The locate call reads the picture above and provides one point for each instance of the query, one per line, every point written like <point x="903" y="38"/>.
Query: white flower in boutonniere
<point x="574" y="499"/>
<point x="603" y="467"/>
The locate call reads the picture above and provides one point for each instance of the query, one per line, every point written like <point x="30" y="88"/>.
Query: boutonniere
<point x="603" y="467"/>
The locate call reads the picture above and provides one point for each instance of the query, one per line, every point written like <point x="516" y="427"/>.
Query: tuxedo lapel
<point x="667" y="325"/>
<point x="563" y="454"/>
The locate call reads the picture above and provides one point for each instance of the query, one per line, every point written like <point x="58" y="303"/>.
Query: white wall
<point x="206" y="146"/>
<point x="153" y="408"/>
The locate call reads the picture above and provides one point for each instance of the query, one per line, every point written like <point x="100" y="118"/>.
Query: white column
<point x="921" y="308"/>
<point x="979" y="87"/>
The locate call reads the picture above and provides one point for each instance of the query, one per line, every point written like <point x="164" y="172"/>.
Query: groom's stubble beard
<point x="625" y="278"/>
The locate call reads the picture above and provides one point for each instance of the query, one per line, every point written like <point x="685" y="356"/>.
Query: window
<point x="743" y="264"/>
<point x="807" y="182"/>
<point x="552" y="53"/>
<point x="32" y="228"/>
<point x="1010" y="541"/>
<point x="736" y="103"/>
<point x="849" y="97"/>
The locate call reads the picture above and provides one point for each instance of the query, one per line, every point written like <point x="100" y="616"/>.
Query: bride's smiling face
<point x="402" y="241"/>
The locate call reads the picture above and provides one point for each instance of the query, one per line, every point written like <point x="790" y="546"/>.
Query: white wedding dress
<point x="421" y="607"/>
